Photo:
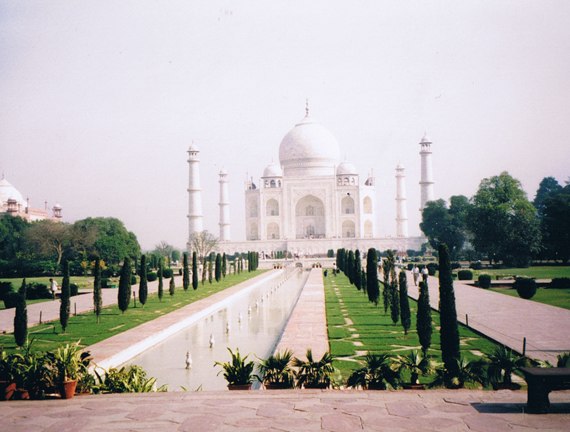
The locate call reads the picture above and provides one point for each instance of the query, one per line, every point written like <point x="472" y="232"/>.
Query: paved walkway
<point x="81" y="303"/>
<point x="307" y="326"/>
<point x="508" y="319"/>
<point x="288" y="410"/>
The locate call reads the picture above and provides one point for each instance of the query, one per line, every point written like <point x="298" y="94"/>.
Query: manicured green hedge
<point x="484" y="280"/>
<point x="465" y="275"/>
<point x="560" y="282"/>
<point x="526" y="287"/>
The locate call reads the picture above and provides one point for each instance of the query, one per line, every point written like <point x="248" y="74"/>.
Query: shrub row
<point x="561" y="282"/>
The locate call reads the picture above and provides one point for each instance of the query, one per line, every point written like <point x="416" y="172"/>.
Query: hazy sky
<point x="99" y="100"/>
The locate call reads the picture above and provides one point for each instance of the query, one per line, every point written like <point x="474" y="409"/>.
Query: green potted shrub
<point x="416" y="364"/>
<point x="465" y="372"/>
<point x="69" y="366"/>
<point x="502" y="363"/>
<point x="377" y="374"/>
<point x="314" y="374"/>
<point x="276" y="371"/>
<point x="238" y="372"/>
<point x="8" y="372"/>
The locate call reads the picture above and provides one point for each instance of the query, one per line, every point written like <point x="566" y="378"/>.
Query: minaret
<point x="195" y="219"/>
<point x="224" y="207"/>
<point x="401" y="208"/>
<point x="426" y="183"/>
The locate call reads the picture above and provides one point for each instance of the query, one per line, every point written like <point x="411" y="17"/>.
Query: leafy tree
<point x="194" y="270"/>
<point x="175" y="255"/>
<point x="124" y="293"/>
<point x="423" y="318"/>
<point x="548" y="187"/>
<point x="218" y="268"/>
<point x="503" y="222"/>
<point x="449" y="330"/>
<point x="556" y="224"/>
<point x="12" y="235"/>
<point x="185" y="272"/>
<point x="64" y="305"/>
<point x="21" y="317"/>
<point x="143" y="283"/>
<point x="113" y="241"/>
<point x="97" y="295"/>
<point x="446" y="225"/>
<point x="372" y="276"/>
<point x="203" y="243"/>
<point x="160" y="281"/>
<point x="49" y="238"/>
<point x="171" y="286"/>
<point x="404" y="302"/>
<point x="357" y="270"/>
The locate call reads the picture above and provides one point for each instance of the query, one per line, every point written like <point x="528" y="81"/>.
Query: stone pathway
<point x="508" y="319"/>
<point x="289" y="410"/>
<point x="307" y="326"/>
<point x="80" y="303"/>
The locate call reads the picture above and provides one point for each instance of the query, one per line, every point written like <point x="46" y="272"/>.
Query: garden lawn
<point x="84" y="326"/>
<point x="83" y="282"/>
<point x="554" y="297"/>
<point x="538" y="272"/>
<point x="357" y="327"/>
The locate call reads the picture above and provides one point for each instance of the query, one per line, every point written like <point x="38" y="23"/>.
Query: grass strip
<point x="559" y="297"/>
<point x="357" y="327"/>
<point x="84" y="326"/>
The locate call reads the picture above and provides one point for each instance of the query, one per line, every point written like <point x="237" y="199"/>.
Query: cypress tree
<point x="394" y="298"/>
<point x="171" y="286"/>
<point x="357" y="270"/>
<point x="449" y="331"/>
<point x="350" y="267"/>
<point x="404" y="302"/>
<point x="387" y="269"/>
<point x="185" y="272"/>
<point x="224" y="265"/>
<point x="194" y="271"/>
<point x="363" y="280"/>
<point x="218" y="268"/>
<point x="210" y="270"/>
<point x="21" y="317"/>
<point x="64" y="306"/>
<point x="160" y="281"/>
<point x="124" y="294"/>
<point x="423" y="318"/>
<point x="97" y="294"/>
<point x="143" y="283"/>
<point x="372" y="276"/>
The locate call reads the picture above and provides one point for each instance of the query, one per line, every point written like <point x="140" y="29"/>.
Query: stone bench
<point x="541" y="381"/>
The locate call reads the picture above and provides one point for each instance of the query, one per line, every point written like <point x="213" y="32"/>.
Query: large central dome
<point x="309" y="149"/>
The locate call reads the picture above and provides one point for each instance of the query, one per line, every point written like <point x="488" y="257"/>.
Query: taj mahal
<point x="311" y="201"/>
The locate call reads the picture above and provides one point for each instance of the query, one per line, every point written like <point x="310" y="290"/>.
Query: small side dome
<point x="193" y="147"/>
<point x="346" y="168"/>
<point x="425" y="140"/>
<point x="272" y="170"/>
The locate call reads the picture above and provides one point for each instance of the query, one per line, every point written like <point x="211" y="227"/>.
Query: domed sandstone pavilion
<point x="310" y="201"/>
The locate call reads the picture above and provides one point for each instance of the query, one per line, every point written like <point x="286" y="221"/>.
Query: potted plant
<point x="314" y="374"/>
<point x="416" y="364"/>
<point x="502" y="363"/>
<point x="276" y="372"/>
<point x="69" y="366"/>
<point x="463" y="372"/>
<point x="377" y="374"/>
<point x="238" y="372"/>
<point x="8" y="371"/>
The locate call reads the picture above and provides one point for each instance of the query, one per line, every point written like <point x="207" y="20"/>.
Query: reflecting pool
<point x="252" y="322"/>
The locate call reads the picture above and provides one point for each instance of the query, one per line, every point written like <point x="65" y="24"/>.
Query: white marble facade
<point x="310" y="194"/>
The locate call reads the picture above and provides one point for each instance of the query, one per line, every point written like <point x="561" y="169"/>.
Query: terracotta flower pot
<point x="414" y="387"/>
<point x="67" y="389"/>
<point x="7" y="390"/>
<point x="239" y="386"/>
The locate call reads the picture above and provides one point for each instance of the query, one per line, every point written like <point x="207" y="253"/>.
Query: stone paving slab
<point x="289" y="410"/>
<point x="307" y="326"/>
<point x="507" y="319"/>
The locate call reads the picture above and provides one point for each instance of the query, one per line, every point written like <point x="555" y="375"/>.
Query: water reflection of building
<point x="13" y="203"/>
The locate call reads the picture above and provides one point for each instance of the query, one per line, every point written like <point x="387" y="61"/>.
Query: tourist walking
<point x="53" y="287"/>
<point x="416" y="274"/>
<point x="425" y="273"/>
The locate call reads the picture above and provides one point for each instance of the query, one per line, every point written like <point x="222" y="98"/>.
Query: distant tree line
<point x="499" y="223"/>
